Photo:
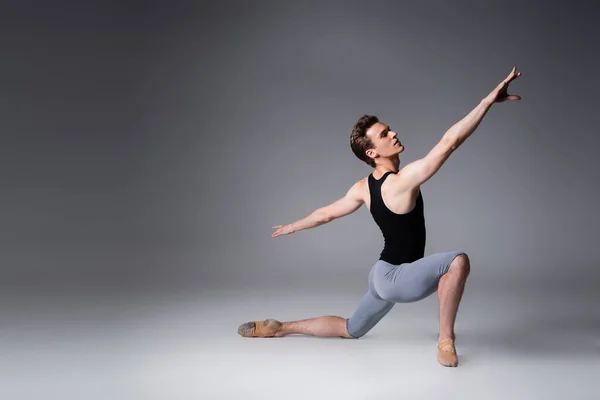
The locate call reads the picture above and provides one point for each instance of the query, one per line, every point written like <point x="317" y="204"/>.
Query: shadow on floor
<point x="576" y="334"/>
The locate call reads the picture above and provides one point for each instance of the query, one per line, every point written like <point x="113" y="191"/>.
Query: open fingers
<point x="513" y="75"/>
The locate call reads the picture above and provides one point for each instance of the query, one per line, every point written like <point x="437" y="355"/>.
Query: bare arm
<point x="418" y="172"/>
<point x="341" y="207"/>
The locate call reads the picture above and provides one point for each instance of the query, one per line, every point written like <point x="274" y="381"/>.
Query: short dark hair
<point x="359" y="142"/>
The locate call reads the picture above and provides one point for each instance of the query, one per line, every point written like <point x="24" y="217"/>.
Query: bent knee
<point x="461" y="264"/>
<point x="349" y="334"/>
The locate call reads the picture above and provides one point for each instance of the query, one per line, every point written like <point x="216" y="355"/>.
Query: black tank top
<point x="403" y="234"/>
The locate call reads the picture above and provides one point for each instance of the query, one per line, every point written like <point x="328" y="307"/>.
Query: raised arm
<point x="341" y="207"/>
<point x="419" y="171"/>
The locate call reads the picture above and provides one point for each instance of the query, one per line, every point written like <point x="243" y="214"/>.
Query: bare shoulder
<point x="347" y="204"/>
<point x="359" y="190"/>
<point x="401" y="183"/>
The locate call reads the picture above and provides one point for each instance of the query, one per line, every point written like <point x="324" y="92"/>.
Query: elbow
<point x="326" y="218"/>
<point x="323" y="217"/>
<point x="451" y="143"/>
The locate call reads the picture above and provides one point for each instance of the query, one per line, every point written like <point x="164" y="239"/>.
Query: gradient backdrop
<point x="148" y="148"/>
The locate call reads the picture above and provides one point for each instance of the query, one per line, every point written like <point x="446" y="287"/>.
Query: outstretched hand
<point x="282" y="230"/>
<point x="500" y="93"/>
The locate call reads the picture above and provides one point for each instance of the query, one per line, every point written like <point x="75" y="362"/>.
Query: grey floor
<point x="525" y="342"/>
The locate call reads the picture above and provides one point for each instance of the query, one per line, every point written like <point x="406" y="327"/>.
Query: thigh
<point x="414" y="281"/>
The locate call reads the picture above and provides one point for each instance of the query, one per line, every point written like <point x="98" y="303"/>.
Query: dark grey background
<point x="148" y="148"/>
<point x="152" y="146"/>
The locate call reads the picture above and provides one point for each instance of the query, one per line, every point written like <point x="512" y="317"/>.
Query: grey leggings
<point x="390" y="284"/>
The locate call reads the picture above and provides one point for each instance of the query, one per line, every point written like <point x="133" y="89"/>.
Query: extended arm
<point x="341" y="207"/>
<point x="418" y="172"/>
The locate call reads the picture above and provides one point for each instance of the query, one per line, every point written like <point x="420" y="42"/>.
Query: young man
<point x="402" y="274"/>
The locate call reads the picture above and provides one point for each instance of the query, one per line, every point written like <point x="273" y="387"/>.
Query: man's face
<point x="385" y="141"/>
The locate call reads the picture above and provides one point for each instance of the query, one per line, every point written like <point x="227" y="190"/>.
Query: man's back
<point x="400" y="216"/>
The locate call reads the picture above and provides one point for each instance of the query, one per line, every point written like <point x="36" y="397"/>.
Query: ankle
<point x="442" y="338"/>
<point x="286" y="329"/>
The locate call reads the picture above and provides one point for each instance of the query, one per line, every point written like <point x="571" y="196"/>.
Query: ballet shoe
<point x="446" y="354"/>
<point x="266" y="328"/>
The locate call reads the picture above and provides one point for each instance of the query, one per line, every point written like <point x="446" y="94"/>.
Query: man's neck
<point x="387" y="164"/>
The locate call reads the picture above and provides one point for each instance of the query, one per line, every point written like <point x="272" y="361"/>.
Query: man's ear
<point x="371" y="153"/>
